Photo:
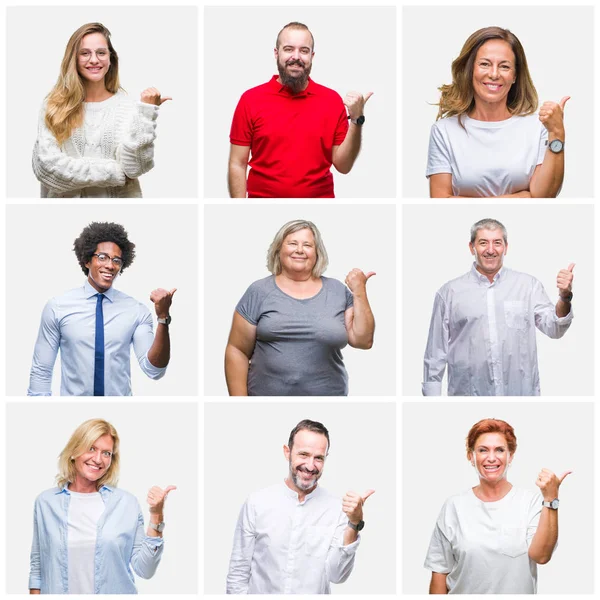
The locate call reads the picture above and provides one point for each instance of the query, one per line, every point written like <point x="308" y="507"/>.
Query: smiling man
<point x="290" y="130"/>
<point x="95" y="325"/>
<point x="293" y="537"/>
<point x="483" y="323"/>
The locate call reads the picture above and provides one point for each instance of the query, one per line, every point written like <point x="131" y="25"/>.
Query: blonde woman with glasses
<point x="93" y="140"/>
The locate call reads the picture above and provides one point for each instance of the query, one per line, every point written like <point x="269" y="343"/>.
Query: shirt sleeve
<point x="341" y="129"/>
<point x="438" y="157"/>
<point x="136" y="153"/>
<point x="440" y="558"/>
<point x="241" y="126"/>
<point x="44" y="353"/>
<point x="250" y="304"/>
<point x="543" y="144"/>
<point x="143" y="338"/>
<point x="340" y="558"/>
<point x="436" y="352"/>
<point x="238" y="577"/>
<point x="349" y="298"/>
<point x="62" y="173"/>
<point x="35" y="572"/>
<point x="147" y="551"/>
<point x="546" y="319"/>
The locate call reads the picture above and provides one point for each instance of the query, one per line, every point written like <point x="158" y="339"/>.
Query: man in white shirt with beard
<point x="294" y="537"/>
<point x="483" y="323"/>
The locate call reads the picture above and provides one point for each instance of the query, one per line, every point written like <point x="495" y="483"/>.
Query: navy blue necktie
<point x="99" y="349"/>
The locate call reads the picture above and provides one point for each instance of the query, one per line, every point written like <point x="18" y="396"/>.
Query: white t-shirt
<point x="85" y="511"/>
<point x="483" y="546"/>
<point x="487" y="158"/>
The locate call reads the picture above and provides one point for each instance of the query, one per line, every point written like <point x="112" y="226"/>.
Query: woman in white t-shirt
<point x="487" y="141"/>
<point x="88" y="535"/>
<point x="490" y="539"/>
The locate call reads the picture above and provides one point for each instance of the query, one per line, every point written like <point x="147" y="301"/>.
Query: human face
<point x="93" y="58"/>
<point x="489" y="249"/>
<point x="298" y="253"/>
<point x="306" y="459"/>
<point x="93" y="464"/>
<point x="102" y="275"/>
<point x="491" y="457"/>
<point x="294" y="58"/>
<point x="493" y="72"/>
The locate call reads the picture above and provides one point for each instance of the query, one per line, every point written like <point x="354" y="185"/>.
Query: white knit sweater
<point x="104" y="157"/>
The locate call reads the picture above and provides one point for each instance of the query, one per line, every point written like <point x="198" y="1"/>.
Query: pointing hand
<point x="356" y="280"/>
<point x="157" y="496"/>
<point x="355" y="103"/>
<point x="162" y="301"/>
<point x="564" y="280"/>
<point x="352" y="505"/>
<point x="549" y="483"/>
<point x="152" y="96"/>
<point x="552" y="117"/>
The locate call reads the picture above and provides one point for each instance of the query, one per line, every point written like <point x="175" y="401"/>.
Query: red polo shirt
<point x="291" y="137"/>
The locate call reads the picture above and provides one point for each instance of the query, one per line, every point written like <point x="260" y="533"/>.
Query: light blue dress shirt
<point x="69" y="323"/>
<point x="121" y="544"/>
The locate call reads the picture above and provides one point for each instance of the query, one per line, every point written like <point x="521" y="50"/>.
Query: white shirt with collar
<point x="284" y="546"/>
<point x="485" y="332"/>
<point x="69" y="324"/>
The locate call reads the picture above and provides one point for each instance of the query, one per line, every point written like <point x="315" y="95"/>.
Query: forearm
<point x="35" y="592"/>
<point x="155" y="518"/>
<point x="438" y="583"/>
<point x="563" y="308"/>
<point x="363" y="323"/>
<point x="236" y="371"/>
<point x="545" y="537"/>
<point x="350" y="536"/>
<point x="522" y="194"/>
<point x="160" y="351"/>
<point x="548" y="179"/>
<point x="236" y="180"/>
<point x="347" y="152"/>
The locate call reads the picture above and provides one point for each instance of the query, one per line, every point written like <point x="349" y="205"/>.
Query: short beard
<point x="299" y="484"/>
<point x="298" y="83"/>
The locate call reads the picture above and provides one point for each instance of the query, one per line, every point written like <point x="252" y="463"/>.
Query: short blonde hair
<point x="81" y="441"/>
<point x="273" y="261"/>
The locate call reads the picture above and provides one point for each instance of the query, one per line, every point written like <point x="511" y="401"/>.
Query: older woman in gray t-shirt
<point x="289" y="329"/>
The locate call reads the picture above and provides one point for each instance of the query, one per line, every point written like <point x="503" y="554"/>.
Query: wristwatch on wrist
<point x="358" y="527"/>
<point x="566" y="298"/>
<point x="157" y="526"/>
<point x="553" y="505"/>
<point x="166" y="321"/>
<point x="359" y="121"/>
<point x="556" y="146"/>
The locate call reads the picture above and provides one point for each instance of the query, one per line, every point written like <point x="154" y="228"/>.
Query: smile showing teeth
<point x="491" y="467"/>
<point x="494" y="87"/>
<point x="93" y="467"/>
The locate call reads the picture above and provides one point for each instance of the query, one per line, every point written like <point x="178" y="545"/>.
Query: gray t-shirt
<point x="298" y="342"/>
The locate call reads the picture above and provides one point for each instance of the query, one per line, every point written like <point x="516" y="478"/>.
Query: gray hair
<point x="490" y="224"/>
<point x="308" y="425"/>
<point x="273" y="262"/>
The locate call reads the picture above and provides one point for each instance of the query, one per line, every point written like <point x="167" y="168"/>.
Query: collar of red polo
<point x="282" y="89"/>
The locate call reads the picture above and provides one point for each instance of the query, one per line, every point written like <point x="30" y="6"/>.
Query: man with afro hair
<point x="95" y="325"/>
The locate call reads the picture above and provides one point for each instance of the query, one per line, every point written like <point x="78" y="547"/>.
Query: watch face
<point x="554" y="504"/>
<point x="556" y="146"/>
<point x="360" y="120"/>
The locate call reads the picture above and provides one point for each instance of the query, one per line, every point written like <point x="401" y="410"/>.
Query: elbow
<point x="539" y="558"/>
<point x="343" y="168"/>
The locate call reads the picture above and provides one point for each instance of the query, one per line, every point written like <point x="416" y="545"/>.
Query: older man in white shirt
<point x="483" y="323"/>
<point x="293" y="537"/>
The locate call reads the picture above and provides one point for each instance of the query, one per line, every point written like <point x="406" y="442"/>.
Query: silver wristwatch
<point x="553" y="505"/>
<point x="166" y="321"/>
<point x="358" y="527"/>
<point x="157" y="526"/>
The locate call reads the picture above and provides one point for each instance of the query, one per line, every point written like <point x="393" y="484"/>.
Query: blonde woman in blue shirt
<point x="88" y="535"/>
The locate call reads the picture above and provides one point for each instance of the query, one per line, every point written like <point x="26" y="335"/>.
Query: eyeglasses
<point x="101" y="54"/>
<point x="104" y="258"/>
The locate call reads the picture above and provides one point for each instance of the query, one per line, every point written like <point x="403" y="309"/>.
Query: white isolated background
<point x="157" y="47"/>
<point x="237" y="237"/>
<point x="244" y="454"/>
<point x="355" y="50"/>
<point x="541" y="242"/>
<point x="149" y="456"/>
<point x="47" y="267"/>
<point x="565" y="68"/>
<point x="555" y="436"/>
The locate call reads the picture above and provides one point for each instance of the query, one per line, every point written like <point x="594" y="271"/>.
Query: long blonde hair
<point x="457" y="98"/>
<point x="64" y="109"/>
<point x="81" y="441"/>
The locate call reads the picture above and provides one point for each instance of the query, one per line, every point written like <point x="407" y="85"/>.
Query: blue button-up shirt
<point x="121" y="544"/>
<point x="69" y="323"/>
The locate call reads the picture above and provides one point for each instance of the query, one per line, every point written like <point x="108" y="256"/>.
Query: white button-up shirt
<point x="485" y="333"/>
<point x="283" y="546"/>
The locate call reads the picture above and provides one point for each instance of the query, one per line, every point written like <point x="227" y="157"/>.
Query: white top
<point x="283" y="546"/>
<point x="487" y="158"/>
<point x="483" y="546"/>
<point x="85" y="511"/>
<point x="485" y="333"/>
<point x="104" y="157"/>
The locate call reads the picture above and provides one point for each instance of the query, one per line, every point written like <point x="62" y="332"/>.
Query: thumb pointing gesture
<point x="571" y="267"/>
<point x="563" y="102"/>
<point x="367" y="494"/>
<point x="563" y="476"/>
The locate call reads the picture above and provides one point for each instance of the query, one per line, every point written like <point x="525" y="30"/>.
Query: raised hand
<point x="355" y="103"/>
<point x="552" y="117"/>
<point x="564" y="280"/>
<point x="549" y="483"/>
<point x="162" y="301"/>
<point x="356" y="280"/>
<point x="352" y="505"/>
<point x="152" y="96"/>
<point x="156" y="498"/>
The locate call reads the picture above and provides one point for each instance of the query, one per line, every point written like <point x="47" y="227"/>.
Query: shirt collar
<point x="499" y="276"/>
<point x="292" y="494"/>
<point x="65" y="488"/>
<point x="284" y="90"/>
<point x="91" y="291"/>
